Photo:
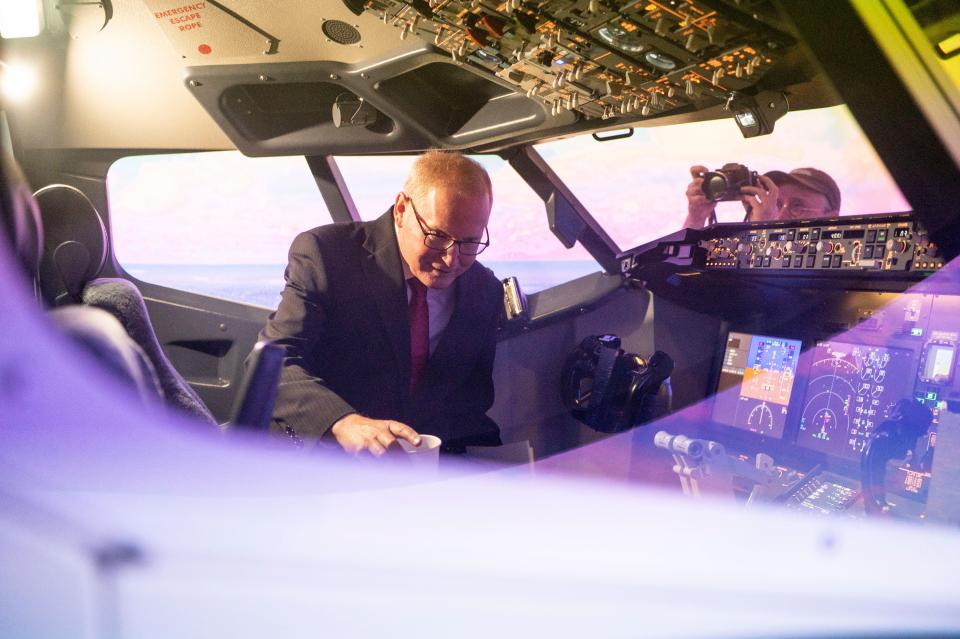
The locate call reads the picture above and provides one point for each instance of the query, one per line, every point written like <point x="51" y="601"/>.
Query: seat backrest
<point x="75" y="252"/>
<point x="257" y="392"/>
<point x="94" y="330"/>
<point x="102" y="336"/>
<point x="123" y="300"/>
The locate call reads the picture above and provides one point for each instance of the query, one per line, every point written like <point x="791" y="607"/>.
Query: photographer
<point x="801" y="194"/>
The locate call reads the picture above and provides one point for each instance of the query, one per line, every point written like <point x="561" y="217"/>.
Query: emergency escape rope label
<point x="185" y="17"/>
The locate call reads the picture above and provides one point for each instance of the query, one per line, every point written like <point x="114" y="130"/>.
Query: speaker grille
<point x="340" y="32"/>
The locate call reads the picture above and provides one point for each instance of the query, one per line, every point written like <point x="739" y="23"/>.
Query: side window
<point x="635" y="187"/>
<point x="521" y="243"/>
<point x="218" y="224"/>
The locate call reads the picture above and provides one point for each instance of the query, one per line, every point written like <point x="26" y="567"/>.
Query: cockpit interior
<point x="778" y="359"/>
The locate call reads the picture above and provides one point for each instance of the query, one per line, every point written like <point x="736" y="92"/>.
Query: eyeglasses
<point x="442" y="242"/>
<point x="796" y="210"/>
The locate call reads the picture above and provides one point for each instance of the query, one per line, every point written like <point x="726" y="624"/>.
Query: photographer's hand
<point x="699" y="208"/>
<point x="760" y="202"/>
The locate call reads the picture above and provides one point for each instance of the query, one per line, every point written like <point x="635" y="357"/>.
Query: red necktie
<point x="419" y="330"/>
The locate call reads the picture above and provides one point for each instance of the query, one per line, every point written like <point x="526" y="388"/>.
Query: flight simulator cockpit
<point x="726" y="341"/>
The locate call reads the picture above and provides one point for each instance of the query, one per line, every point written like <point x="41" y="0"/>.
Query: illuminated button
<point x="766" y="261"/>
<point x="797" y="261"/>
<point x="837" y="259"/>
<point x="872" y="236"/>
<point x="811" y="261"/>
<point x="758" y="260"/>
<point x="826" y="262"/>
<point x="882" y="235"/>
<point x="879" y="251"/>
<point x="867" y="251"/>
<point x="792" y="234"/>
<point x="814" y="235"/>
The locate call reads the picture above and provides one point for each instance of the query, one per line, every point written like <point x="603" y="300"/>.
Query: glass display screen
<point x="938" y="363"/>
<point x="756" y="382"/>
<point x="850" y="390"/>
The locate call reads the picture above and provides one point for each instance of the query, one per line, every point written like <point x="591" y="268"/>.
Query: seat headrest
<point x="75" y="246"/>
<point x="21" y="218"/>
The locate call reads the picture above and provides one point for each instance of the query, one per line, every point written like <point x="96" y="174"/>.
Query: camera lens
<point x="714" y="185"/>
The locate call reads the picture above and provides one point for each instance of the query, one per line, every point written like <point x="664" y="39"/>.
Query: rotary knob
<point x="825" y="247"/>
<point x="745" y="248"/>
<point x="901" y="246"/>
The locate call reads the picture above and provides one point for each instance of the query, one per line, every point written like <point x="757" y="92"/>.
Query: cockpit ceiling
<point x="278" y="78"/>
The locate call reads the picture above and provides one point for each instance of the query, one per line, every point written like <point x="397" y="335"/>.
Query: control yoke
<point x="892" y="439"/>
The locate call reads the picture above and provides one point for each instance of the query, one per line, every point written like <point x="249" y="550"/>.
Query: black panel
<point x="267" y="110"/>
<point x="440" y="97"/>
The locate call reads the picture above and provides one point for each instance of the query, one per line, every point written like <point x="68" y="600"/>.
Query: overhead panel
<point x="601" y="59"/>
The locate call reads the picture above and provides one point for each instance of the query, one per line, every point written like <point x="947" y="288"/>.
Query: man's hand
<point x="760" y="201"/>
<point x="356" y="434"/>
<point x="699" y="207"/>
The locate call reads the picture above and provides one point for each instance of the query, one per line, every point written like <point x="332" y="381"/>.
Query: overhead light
<point x="20" y="18"/>
<point x="17" y="81"/>
<point x="756" y="115"/>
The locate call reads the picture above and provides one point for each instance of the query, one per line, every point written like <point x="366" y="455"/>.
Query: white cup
<point x="426" y="456"/>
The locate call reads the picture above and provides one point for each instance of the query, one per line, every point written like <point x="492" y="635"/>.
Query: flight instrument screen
<point x="756" y="382"/>
<point x="851" y="389"/>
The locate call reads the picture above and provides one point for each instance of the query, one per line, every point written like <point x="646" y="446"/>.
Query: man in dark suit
<point x="390" y="325"/>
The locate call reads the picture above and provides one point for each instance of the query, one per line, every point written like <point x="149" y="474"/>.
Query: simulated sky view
<point x="253" y="207"/>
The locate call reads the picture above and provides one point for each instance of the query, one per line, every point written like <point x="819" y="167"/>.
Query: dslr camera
<point x="725" y="183"/>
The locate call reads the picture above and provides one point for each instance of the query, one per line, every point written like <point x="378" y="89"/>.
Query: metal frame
<point x="333" y="189"/>
<point x="546" y="184"/>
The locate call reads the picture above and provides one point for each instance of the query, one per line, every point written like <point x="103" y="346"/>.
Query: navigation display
<point x="851" y="389"/>
<point x="756" y="381"/>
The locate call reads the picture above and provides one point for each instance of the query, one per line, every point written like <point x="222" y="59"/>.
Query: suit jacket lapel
<point x="385" y="285"/>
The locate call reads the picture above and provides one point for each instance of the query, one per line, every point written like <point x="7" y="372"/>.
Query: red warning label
<point x="185" y="17"/>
